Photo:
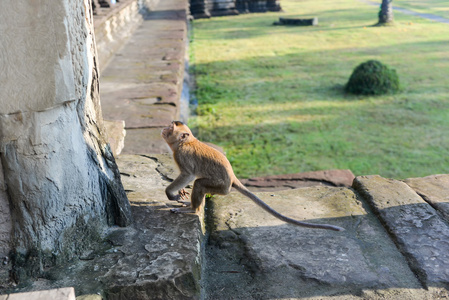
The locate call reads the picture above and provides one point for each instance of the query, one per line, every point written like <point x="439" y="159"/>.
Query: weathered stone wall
<point x="63" y="185"/>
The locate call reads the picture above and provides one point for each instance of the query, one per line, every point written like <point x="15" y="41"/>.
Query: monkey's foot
<point x="182" y="210"/>
<point x="184" y="203"/>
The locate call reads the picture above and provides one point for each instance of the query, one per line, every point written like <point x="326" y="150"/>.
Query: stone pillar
<point x="63" y="184"/>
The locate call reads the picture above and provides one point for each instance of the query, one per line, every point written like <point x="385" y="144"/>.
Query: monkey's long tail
<point x="242" y="189"/>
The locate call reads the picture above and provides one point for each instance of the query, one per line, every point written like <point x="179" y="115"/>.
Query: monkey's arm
<point x="175" y="191"/>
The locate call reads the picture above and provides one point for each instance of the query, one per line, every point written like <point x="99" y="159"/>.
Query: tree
<point x="386" y="13"/>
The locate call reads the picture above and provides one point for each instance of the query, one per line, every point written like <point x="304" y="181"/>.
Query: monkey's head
<point x="176" y="134"/>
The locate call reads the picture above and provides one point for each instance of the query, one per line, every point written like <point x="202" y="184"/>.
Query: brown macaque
<point x="212" y="173"/>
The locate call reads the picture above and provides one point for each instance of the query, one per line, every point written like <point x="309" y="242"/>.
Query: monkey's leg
<point x="201" y="187"/>
<point x="197" y="196"/>
<point x="175" y="191"/>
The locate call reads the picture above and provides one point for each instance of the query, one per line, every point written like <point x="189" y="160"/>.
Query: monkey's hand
<point x="184" y="194"/>
<point x="181" y="195"/>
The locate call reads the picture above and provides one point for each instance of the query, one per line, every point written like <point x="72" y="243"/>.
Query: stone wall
<point x="61" y="179"/>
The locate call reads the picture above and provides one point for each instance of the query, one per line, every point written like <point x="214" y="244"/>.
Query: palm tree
<point x="386" y="13"/>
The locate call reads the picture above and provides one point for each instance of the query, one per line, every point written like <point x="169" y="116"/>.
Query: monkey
<point x="212" y="172"/>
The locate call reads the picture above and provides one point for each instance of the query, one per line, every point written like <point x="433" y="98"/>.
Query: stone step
<point x="417" y="228"/>
<point x="252" y="255"/>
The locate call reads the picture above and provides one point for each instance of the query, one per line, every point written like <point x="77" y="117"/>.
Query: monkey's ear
<point x="183" y="136"/>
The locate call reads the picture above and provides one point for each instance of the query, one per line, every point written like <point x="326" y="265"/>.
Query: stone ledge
<point x="161" y="255"/>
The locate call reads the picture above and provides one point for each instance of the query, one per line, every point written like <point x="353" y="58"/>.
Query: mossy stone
<point x="373" y="78"/>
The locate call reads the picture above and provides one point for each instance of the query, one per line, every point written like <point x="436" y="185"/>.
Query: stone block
<point x="417" y="228"/>
<point x="434" y="190"/>
<point x="116" y="135"/>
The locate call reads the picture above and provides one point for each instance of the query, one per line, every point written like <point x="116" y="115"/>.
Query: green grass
<point x="273" y="97"/>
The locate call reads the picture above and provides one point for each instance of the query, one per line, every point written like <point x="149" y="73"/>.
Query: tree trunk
<point x="386" y="12"/>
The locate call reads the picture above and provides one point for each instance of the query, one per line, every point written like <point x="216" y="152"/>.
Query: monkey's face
<point x="167" y="132"/>
<point x="176" y="133"/>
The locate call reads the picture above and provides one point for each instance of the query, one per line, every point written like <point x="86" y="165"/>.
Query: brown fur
<point x="212" y="173"/>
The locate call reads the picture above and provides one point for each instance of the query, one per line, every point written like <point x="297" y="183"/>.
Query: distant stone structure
<point x="211" y="8"/>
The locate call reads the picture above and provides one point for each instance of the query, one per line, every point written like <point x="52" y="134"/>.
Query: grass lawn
<point x="272" y="95"/>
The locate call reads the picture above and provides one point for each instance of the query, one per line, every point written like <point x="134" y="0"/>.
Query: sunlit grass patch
<point x="273" y="97"/>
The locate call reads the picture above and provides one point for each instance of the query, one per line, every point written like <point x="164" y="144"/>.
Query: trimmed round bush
<point x="372" y="78"/>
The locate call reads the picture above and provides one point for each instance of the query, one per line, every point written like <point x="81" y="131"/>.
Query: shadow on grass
<point x="313" y="72"/>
